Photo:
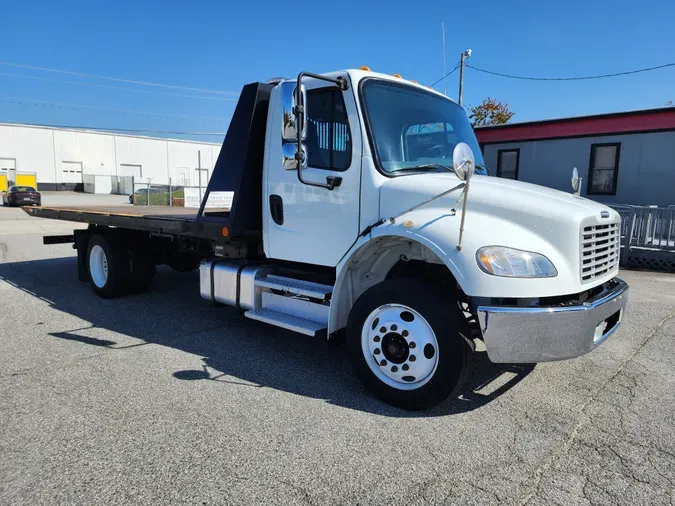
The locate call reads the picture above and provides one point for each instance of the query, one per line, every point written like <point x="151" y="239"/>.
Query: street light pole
<point x="466" y="54"/>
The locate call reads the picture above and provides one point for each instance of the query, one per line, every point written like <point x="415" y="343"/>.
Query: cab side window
<point x="329" y="142"/>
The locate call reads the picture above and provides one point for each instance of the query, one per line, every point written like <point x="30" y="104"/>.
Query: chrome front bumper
<point x="542" y="334"/>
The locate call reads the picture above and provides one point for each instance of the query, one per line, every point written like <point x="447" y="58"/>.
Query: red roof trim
<point x="638" y="121"/>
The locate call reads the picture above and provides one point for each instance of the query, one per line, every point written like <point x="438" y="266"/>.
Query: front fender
<point x="383" y="247"/>
<point x="427" y="227"/>
<point x="437" y="232"/>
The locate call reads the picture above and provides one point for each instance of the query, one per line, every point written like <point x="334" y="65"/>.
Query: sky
<point x="221" y="45"/>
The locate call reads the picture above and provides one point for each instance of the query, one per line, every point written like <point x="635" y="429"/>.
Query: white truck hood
<point x="500" y="212"/>
<point x="502" y="195"/>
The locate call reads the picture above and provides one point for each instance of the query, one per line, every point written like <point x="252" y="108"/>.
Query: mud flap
<point x="81" y="243"/>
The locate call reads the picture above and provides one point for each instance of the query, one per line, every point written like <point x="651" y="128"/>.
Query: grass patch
<point x="160" y="198"/>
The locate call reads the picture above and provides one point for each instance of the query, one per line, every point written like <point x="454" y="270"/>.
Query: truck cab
<point x="362" y="209"/>
<point x="354" y="162"/>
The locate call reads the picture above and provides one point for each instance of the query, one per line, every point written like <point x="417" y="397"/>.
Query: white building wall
<point x="646" y="165"/>
<point x="96" y="152"/>
<point x="32" y="149"/>
<point x="184" y="159"/>
<point x="46" y="151"/>
<point x="215" y="151"/>
<point x="150" y="154"/>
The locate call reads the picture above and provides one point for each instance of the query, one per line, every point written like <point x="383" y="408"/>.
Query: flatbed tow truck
<point x="361" y="208"/>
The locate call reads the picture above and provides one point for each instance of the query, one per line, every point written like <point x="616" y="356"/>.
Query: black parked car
<point x="141" y="195"/>
<point x="21" y="196"/>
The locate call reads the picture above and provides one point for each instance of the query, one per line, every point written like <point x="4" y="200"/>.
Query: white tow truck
<point x="361" y="208"/>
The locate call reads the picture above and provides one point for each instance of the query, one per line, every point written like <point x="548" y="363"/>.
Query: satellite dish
<point x="575" y="180"/>
<point x="463" y="161"/>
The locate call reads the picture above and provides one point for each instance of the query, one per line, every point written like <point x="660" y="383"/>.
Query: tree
<point x="490" y="112"/>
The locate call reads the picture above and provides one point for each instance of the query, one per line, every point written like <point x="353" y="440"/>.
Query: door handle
<point x="277" y="209"/>
<point x="333" y="182"/>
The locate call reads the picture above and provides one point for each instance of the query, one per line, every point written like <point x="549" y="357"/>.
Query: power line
<point x="118" y="79"/>
<point x="446" y="75"/>
<point x="580" y="78"/>
<point x="61" y="105"/>
<point x="133" y="90"/>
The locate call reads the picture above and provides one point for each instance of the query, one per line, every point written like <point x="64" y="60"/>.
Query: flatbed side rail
<point x="172" y="225"/>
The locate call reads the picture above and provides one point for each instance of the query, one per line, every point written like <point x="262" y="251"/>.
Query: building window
<point x="329" y="142"/>
<point x="604" y="168"/>
<point x="507" y="163"/>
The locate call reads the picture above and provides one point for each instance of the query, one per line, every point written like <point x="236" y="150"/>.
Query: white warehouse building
<point x="62" y="158"/>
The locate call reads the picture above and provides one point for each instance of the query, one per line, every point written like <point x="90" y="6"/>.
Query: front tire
<point x="408" y="341"/>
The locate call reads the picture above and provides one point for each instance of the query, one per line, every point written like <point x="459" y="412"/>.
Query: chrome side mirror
<point x="294" y="126"/>
<point x="576" y="182"/>
<point x="289" y="102"/>
<point x="290" y="161"/>
<point x="463" y="161"/>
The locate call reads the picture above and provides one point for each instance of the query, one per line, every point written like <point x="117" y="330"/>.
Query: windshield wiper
<point x="479" y="166"/>
<point x="427" y="167"/>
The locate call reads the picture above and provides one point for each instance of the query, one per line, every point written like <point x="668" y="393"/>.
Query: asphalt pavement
<point x="160" y="398"/>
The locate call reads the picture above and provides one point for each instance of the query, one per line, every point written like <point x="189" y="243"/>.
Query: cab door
<point x="305" y="223"/>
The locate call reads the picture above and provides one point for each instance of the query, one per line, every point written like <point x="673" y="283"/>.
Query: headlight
<point x="514" y="263"/>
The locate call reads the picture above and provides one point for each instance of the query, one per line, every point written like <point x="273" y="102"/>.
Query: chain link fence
<point x="147" y="194"/>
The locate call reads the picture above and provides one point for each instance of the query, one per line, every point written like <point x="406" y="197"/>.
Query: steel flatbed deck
<point x="173" y="221"/>
<point x="237" y="172"/>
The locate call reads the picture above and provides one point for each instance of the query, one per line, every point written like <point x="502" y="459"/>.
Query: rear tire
<point x="108" y="265"/>
<point x="409" y="326"/>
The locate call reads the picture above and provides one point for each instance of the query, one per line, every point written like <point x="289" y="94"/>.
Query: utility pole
<point x="199" y="173"/>
<point x="466" y="54"/>
<point x="445" y="88"/>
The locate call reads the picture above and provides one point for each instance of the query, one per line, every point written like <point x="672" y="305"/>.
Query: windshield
<point x="414" y="128"/>
<point x="21" y="189"/>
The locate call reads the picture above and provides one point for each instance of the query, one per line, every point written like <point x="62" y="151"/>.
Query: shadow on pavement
<point x="236" y="351"/>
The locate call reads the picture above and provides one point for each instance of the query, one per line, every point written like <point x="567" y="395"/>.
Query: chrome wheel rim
<point x="399" y="346"/>
<point x="98" y="266"/>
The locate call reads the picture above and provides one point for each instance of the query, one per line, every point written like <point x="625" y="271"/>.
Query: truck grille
<point x="599" y="250"/>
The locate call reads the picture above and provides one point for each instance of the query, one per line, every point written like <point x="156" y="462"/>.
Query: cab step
<point x="287" y="321"/>
<point x="295" y="286"/>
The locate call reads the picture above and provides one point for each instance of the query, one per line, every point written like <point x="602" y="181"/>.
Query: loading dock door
<point x="71" y="172"/>
<point x="7" y="164"/>
<point x="26" y="179"/>
<point x="8" y="170"/>
<point x="127" y="169"/>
